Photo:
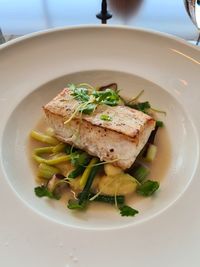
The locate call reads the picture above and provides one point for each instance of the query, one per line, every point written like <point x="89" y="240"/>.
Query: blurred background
<point x="19" y="17"/>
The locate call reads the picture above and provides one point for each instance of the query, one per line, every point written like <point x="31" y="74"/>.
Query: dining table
<point x="36" y="57"/>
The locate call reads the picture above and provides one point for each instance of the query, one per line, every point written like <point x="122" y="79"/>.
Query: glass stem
<point x="198" y="40"/>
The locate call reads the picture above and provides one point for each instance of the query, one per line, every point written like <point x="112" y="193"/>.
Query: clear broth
<point x="158" y="168"/>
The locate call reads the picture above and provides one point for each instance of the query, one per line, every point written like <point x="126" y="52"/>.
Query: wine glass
<point x="193" y="10"/>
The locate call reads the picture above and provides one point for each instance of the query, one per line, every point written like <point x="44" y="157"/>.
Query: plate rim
<point x="94" y="26"/>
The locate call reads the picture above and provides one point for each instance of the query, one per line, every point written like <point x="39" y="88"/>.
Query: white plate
<point x="38" y="233"/>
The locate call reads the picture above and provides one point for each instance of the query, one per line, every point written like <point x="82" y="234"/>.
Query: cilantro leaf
<point x="74" y="205"/>
<point x="148" y="188"/>
<point x="105" y="117"/>
<point x="42" y="191"/>
<point x="127" y="211"/>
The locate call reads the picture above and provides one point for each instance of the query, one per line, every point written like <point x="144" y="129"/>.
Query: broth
<point x="158" y="169"/>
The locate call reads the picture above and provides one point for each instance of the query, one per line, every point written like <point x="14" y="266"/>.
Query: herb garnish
<point x="75" y="205"/>
<point x="141" y="106"/>
<point x="90" y="99"/>
<point x="42" y="191"/>
<point x="127" y="211"/>
<point x="105" y="117"/>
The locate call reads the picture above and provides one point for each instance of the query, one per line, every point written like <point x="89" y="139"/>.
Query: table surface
<point x="19" y="17"/>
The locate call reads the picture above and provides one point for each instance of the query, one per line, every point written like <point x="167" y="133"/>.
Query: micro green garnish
<point x="88" y="109"/>
<point x="108" y="97"/>
<point x="127" y="211"/>
<point x="105" y="117"/>
<point x="159" y="111"/>
<point x="86" y="85"/>
<point x="135" y="99"/>
<point x="42" y="191"/>
<point x="148" y="188"/>
<point x="89" y="99"/>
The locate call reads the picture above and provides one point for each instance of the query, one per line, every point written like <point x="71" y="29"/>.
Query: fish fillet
<point x="120" y="139"/>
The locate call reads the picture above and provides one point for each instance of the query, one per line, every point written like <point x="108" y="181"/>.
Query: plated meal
<point x="97" y="146"/>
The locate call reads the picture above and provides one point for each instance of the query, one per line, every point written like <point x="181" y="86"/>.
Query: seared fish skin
<point x="120" y="139"/>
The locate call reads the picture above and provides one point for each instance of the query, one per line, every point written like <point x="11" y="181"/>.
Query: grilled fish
<point x="119" y="140"/>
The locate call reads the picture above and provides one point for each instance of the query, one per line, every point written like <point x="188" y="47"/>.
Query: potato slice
<point x="75" y="184"/>
<point x="111" y="170"/>
<point x="121" y="184"/>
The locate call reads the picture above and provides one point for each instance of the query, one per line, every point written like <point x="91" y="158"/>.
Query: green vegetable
<point x="90" y="99"/>
<point x="69" y="149"/>
<point x="79" y="158"/>
<point x="75" y="205"/>
<point x="44" y="150"/>
<point x="148" y="188"/>
<point x="75" y="173"/>
<point x="159" y="124"/>
<point x="151" y="153"/>
<point x="87" y="171"/>
<point x="80" y="94"/>
<point x="88" y="109"/>
<point x="141" y="106"/>
<point x="46" y="171"/>
<point x="42" y="191"/>
<point x="44" y="138"/>
<point x="109" y="199"/>
<point x="108" y="97"/>
<point x="59" y="148"/>
<point x="105" y="117"/>
<point x="127" y="211"/>
<point x="139" y="172"/>
<point x="93" y="171"/>
<point x="80" y="161"/>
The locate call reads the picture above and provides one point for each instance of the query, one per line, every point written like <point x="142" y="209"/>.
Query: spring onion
<point x="45" y="171"/>
<point x="151" y="153"/>
<point x="44" y="150"/>
<point x="59" y="148"/>
<point x="91" y="175"/>
<point x="87" y="172"/>
<point x="76" y="172"/>
<point x="148" y="188"/>
<point x="44" y="138"/>
<point x="139" y="172"/>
